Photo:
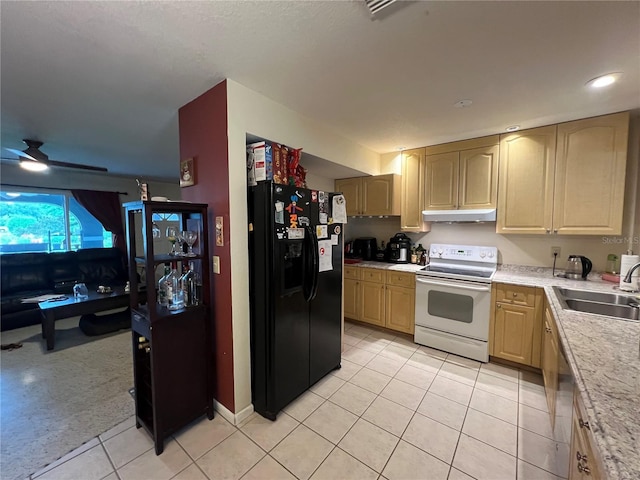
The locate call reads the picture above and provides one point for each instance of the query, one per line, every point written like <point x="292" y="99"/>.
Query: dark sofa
<point x="31" y="274"/>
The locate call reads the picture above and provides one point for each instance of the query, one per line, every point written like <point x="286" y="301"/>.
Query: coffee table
<point x="71" y="307"/>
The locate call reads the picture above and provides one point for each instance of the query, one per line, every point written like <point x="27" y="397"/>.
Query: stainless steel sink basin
<point x="610" y="304"/>
<point x="603" y="297"/>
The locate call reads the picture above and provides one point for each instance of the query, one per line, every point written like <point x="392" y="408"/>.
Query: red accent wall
<point x="203" y="136"/>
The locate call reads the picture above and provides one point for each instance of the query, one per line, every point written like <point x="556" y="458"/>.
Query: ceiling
<point x="101" y="82"/>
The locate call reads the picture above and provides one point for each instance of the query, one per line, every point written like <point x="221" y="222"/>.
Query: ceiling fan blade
<point x="34" y="154"/>
<point x="79" y="166"/>
<point x="21" y="154"/>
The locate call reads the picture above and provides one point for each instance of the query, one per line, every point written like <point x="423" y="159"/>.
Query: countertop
<point x="604" y="356"/>
<point x="400" y="267"/>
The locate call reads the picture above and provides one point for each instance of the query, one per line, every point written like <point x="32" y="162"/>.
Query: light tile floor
<point x="395" y="410"/>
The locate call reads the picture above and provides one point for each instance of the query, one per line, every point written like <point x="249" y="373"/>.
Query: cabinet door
<point x="478" y="178"/>
<point x="584" y="462"/>
<point x="372" y="303"/>
<point x="590" y="174"/>
<point x="526" y="172"/>
<point x="400" y="308"/>
<point x="377" y="195"/>
<point x="351" y="188"/>
<point x="550" y="362"/>
<point x="351" y="287"/>
<point x="441" y="189"/>
<point x="442" y="181"/>
<point x="412" y="200"/>
<point x="513" y="334"/>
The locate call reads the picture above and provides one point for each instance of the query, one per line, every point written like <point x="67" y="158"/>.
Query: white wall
<point x="316" y="182"/>
<point x="250" y="113"/>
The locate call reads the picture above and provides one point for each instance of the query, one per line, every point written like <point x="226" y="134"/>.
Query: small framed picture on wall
<point x="187" y="172"/>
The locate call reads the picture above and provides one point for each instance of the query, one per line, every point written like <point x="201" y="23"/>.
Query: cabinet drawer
<point x="401" y="279"/>
<point x="352" y="272"/>
<point x="516" y="295"/>
<point x="373" y="275"/>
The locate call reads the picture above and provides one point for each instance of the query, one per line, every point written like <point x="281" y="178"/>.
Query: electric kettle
<point x="578" y="267"/>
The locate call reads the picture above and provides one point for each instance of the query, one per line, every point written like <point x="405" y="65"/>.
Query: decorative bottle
<point x="189" y="286"/>
<point x="162" y="286"/>
<point x="175" y="294"/>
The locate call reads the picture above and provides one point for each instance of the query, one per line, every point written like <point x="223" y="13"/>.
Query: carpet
<point x="51" y="402"/>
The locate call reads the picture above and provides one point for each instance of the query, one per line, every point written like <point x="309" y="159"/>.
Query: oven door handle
<point x="456" y="285"/>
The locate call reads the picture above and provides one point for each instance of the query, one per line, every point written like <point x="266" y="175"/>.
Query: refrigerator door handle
<point x="311" y="265"/>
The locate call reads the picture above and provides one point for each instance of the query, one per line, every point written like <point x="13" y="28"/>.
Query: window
<point x="47" y="221"/>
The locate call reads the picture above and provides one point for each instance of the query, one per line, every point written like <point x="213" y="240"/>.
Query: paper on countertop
<point x="339" y="213"/>
<point x="324" y="256"/>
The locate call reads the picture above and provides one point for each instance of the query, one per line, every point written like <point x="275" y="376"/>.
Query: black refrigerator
<point x="295" y="263"/>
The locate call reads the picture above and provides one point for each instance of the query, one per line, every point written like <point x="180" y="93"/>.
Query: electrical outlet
<point x="555" y="251"/>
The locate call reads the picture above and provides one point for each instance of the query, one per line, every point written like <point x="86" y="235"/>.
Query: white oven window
<point x="453" y="306"/>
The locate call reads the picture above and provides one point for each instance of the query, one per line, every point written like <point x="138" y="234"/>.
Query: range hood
<point x="479" y="215"/>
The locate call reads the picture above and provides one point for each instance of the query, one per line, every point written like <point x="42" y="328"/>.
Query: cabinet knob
<point x="555" y="230"/>
<point x="498" y="306"/>
<point x="548" y="230"/>
<point x="584" y="469"/>
<point x="583" y="424"/>
<point x="580" y="456"/>
<point x="515" y="294"/>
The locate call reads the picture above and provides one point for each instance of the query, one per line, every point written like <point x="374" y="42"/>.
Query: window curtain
<point x="105" y="207"/>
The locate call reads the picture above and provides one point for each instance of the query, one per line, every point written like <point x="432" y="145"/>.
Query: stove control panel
<point x="469" y="253"/>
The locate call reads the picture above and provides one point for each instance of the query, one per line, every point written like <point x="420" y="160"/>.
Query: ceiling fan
<point x="33" y="159"/>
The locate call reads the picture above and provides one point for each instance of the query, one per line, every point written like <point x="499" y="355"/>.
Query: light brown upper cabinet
<point x="462" y="175"/>
<point x="525" y="196"/>
<point x="591" y="158"/>
<point x="565" y="179"/>
<point x="377" y="195"/>
<point x="412" y="198"/>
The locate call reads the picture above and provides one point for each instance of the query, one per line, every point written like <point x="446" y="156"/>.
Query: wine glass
<point x="181" y="242"/>
<point x="190" y="238"/>
<point x="172" y="236"/>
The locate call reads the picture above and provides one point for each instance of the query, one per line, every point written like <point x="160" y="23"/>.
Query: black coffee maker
<point x="399" y="248"/>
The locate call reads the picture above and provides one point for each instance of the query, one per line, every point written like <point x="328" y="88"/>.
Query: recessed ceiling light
<point x="604" y="80"/>
<point x="463" y="103"/>
<point x="513" y="128"/>
<point x="33" y="166"/>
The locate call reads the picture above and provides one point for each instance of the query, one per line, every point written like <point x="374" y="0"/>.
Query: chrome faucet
<point x="627" y="277"/>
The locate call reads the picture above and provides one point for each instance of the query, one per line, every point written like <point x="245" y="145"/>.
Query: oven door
<point x="454" y="306"/>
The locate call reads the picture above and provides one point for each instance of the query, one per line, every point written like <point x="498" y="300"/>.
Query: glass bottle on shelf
<point x="190" y="286"/>
<point x="175" y="294"/>
<point x="162" y="286"/>
<point x="423" y="257"/>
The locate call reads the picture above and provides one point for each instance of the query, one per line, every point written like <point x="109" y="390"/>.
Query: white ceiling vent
<point x="376" y="5"/>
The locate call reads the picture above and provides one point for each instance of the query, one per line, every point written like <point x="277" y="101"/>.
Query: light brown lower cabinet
<point x="380" y="297"/>
<point x="584" y="461"/>
<point x="550" y="361"/>
<point x="516" y="324"/>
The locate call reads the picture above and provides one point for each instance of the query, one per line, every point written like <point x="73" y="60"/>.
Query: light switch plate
<point x="216" y="264"/>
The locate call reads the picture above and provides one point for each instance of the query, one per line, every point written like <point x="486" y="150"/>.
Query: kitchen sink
<point x="600" y="303"/>
<point x="602" y="297"/>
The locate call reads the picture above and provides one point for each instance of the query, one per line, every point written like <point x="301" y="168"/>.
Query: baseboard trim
<point x="233" y="418"/>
